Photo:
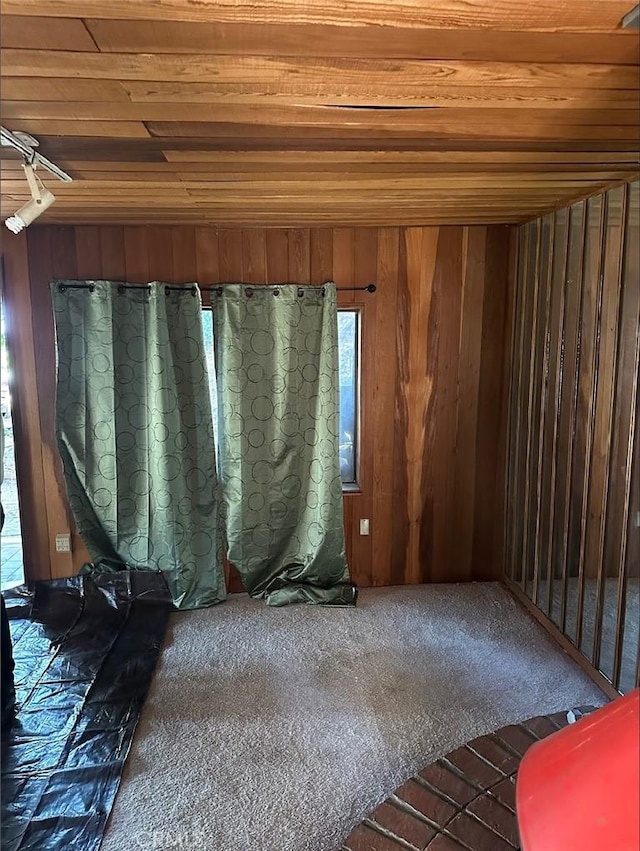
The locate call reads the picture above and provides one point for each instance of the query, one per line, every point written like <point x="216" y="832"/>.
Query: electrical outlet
<point x="364" y="527"/>
<point x="63" y="543"/>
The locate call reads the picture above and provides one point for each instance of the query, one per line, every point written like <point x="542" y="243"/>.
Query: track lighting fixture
<point x="25" y="144"/>
<point x="41" y="198"/>
<point x="631" y="20"/>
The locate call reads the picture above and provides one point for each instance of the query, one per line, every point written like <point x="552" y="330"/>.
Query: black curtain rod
<point x="370" y="288"/>
<point x="62" y="286"/>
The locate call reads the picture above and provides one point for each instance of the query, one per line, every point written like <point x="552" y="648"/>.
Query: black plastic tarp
<point x="85" y="650"/>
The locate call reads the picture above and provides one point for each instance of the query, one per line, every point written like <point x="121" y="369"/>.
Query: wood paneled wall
<point x="573" y="486"/>
<point x="432" y="374"/>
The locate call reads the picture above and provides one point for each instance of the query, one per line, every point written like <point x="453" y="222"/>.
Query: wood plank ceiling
<point x="311" y="112"/>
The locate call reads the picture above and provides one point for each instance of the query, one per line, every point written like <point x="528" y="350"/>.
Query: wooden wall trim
<point x="502" y="531"/>
<point x="492" y="403"/>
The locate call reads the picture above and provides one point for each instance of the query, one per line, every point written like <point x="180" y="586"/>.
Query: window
<point x="209" y="352"/>
<point x="348" y="345"/>
<point x="348" y="355"/>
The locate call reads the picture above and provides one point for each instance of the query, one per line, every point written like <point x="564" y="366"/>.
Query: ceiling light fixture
<point x="631" y="20"/>
<point x="41" y="199"/>
<point x="25" y="143"/>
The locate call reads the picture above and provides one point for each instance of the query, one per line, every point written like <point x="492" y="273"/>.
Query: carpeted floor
<point x="280" y="729"/>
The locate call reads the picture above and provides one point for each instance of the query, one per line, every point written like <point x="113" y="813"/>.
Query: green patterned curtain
<point x="278" y="407"/>
<point x="134" y="428"/>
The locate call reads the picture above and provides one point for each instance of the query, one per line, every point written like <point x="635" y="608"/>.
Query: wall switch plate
<point x="364" y="527"/>
<point x="63" y="543"/>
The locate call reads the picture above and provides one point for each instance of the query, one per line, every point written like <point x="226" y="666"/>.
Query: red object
<point x="579" y="789"/>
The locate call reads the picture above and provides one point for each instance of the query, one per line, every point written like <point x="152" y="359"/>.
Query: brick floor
<point x="462" y="802"/>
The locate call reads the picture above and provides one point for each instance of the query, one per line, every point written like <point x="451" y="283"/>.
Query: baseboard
<point x="569" y="648"/>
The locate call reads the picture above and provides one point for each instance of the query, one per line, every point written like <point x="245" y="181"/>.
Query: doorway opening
<point x="11" y="558"/>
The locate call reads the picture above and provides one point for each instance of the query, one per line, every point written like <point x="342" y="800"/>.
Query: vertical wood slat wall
<point x="572" y="535"/>
<point x="433" y="354"/>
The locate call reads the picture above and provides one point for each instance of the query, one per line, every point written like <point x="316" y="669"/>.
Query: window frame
<point x="354" y="486"/>
<point x="350" y="487"/>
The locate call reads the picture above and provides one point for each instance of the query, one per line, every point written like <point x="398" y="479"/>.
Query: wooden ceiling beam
<point x="320" y="116"/>
<point x="427" y="176"/>
<point x="92" y="129"/>
<point x="375" y="202"/>
<point x="62" y="89"/>
<point x="15" y="196"/>
<point x="275" y="161"/>
<point x="373" y="42"/>
<point x="286" y="207"/>
<point x="265" y="220"/>
<point x="284" y="94"/>
<point x="67" y="149"/>
<point x="197" y="172"/>
<point x="438" y="133"/>
<point x="284" y="136"/>
<point x="336" y="74"/>
<point x="292" y="94"/>
<point x="46" y="33"/>
<point x="543" y="15"/>
<point x="400" y="42"/>
<point x="412" y="158"/>
<point x="127" y="120"/>
<point x="301" y="184"/>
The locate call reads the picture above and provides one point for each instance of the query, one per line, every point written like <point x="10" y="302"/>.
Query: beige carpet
<point x="280" y="729"/>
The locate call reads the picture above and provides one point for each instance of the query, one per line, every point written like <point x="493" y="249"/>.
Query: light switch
<point x="364" y="527"/>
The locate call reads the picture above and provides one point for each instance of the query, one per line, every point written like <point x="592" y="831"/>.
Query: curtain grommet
<point x="276" y="291"/>
<point x="248" y="292"/>
<point x="300" y="292"/>
<point x="62" y="288"/>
